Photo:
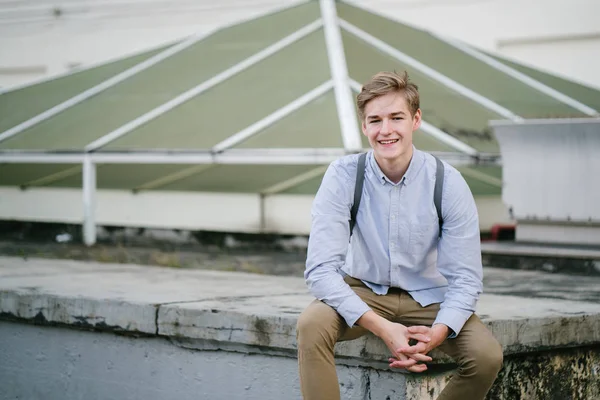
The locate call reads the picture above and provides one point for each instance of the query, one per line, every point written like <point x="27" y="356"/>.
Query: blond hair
<point x="384" y="83"/>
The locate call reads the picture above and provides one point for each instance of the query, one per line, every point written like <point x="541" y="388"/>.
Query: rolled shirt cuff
<point x="453" y="319"/>
<point x="352" y="309"/>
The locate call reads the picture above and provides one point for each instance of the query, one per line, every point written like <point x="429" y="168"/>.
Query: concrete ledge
<point x="256" y="314"/>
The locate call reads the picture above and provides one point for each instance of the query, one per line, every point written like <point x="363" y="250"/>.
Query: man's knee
<point x="318" y="324"/>
<point x="486" y="360"/>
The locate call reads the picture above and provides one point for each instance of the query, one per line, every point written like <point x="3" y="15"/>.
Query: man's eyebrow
<point x="391" y="115"/>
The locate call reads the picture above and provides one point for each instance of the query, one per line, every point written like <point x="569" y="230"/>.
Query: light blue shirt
<point x="395" y="241"/>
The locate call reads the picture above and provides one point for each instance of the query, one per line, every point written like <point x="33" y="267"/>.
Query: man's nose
<point x="385" y="126"/>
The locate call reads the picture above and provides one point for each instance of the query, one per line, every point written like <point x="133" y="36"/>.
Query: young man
<point x="396" y="277"/>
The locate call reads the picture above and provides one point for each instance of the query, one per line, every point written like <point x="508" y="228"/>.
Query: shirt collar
<point x="413" y="168"/>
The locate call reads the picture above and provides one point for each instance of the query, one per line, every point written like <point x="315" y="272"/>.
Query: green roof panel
<point x="22" y="104"/>
<point x="238" y="102"/>
<point x="314" y="125"/>
<point x="585" y="94"/>
<point x="116" y="106"/>
<point x="238" y="178"/>
<point x="441" y="107"/>
<point x="28" y="174"/>
<point x="458" y="65"/>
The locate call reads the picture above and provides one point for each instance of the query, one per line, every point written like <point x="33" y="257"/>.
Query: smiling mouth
<point x="388" y="141"/>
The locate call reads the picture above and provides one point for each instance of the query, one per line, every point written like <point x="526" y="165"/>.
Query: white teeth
<point x="388" y="141"/>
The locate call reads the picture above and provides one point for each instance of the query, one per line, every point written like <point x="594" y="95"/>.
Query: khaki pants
<point x="477" y="353"/>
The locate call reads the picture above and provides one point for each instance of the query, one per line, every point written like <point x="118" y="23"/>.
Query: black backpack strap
<point x="437" y="192"/>
<point x="358" y="188"/>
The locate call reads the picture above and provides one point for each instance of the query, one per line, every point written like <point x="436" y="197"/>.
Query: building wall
<point x="40" y="38"/>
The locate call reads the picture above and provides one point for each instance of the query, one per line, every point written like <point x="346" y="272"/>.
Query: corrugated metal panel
<point x="551" y="170"/>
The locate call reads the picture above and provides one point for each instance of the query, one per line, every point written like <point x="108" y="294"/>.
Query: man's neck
<point x="396" y="168"/>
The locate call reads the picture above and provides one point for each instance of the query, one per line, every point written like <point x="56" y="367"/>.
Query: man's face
<point x="389" y="126"/>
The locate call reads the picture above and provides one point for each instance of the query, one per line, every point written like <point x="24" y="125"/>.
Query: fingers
<point x="420" y="357"/>
<point x="418" y="368"/>
<point x="394" y="363"/>
<point x="419" y="329"/>
<point x="419" y="337"/>
<point x="417" y="348"/>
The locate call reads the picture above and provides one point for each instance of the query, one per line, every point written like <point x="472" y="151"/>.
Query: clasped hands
<point x="410" y="357"/>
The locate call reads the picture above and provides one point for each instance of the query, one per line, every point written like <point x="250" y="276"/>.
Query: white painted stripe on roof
<point x="437" y="133"/>
<point x="430" y="72"/>
<point x="215" y="80"/>
<point x="269" y="120"/>
<point x="100" y="87"/>
<point x="527" y="80"/>
<point x="346" y="111"/>
<point x="295" y="181"/>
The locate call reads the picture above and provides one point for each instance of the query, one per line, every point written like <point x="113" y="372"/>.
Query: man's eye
<point x="374" y="121"/>
<point x="398" y="118"/>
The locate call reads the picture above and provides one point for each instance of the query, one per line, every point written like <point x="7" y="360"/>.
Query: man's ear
<point x="417" y="120"/>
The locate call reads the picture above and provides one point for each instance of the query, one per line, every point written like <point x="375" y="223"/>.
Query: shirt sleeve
<point x="459" y="253"/>
<point x="328" y="245"/>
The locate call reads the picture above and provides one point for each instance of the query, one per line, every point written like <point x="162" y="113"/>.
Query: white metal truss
<point x="289" y="156"/>
<point x="433" y="131"/>
<point x="521" y="77"/>
<point x="89" y="201"/>
<point x="273" y="118"/>
<point x="294" y="181"/>
<point x="100" y="87"/>
<point x="215" y="80"/>
<point x="339" y="72"/>
<point x="430" y="72"/>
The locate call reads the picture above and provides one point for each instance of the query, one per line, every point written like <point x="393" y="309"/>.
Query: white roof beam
<point x="195" y="91"/>
<point x="295" y="181"/>
<point x="521" y="77"/>
<point x="430" y="72"/>
<point x="272" y="118"/>
<point x="291" y="156"/>
<point x="339" y="72"/>
<point x="431" y="130"/>
<point x="100" y="87"/>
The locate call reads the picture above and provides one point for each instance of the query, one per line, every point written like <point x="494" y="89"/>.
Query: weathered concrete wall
<point x="57" y="363"/>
